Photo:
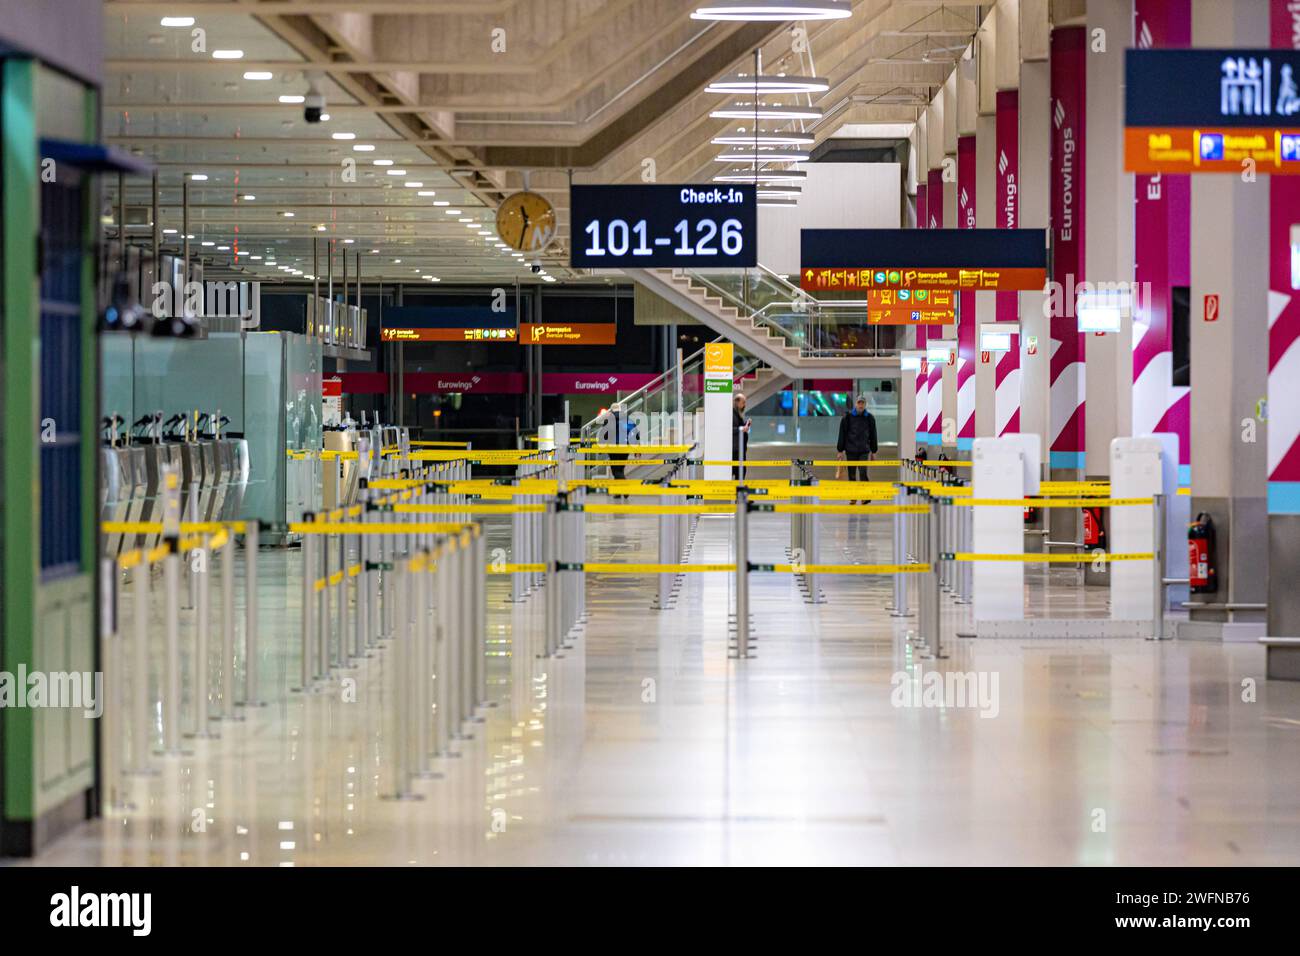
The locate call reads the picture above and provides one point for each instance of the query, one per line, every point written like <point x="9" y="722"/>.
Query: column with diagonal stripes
<point x="1162" y="244"/>
<point x="1283" y="406"/>
<point x="1006" y="378"/>
<point x="1066" y="417"/>
<point x="966" y="318"/>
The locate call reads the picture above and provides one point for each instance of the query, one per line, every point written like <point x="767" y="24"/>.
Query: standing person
<point x="857" y="437"/>
<point x="622" y="431"/>
<point x="739" y="432"/>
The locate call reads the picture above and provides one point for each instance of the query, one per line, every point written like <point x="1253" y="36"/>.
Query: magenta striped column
<point x="966" y="320"/>
<point x="934" y="388"/>
<point x="1283" y="329"/>
<point x="1162" y="219"/>
<point x="1069" y="50"/>
<point x="1006" y="374"/>
<point x="922" y="411"/>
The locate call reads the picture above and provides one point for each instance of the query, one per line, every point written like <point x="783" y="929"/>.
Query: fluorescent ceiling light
<point x="324" y="117"/>
<point x="451" y="212"/>
<point x="169" y="232"/>
<point x="249" y="197"/>
<point x="424" y="192"/>
<point x="775" y="85"/>
<point x="227" y="54"/>
<point x="348" y="242"/>
<point x="223" y="248"/>
<point x="363" y="148"/>
<point x="764" y="156"/>
<point x="287" y="215"/>
<point x="383" y="162"/>
<point x="258" y="75"/>
<point x="763" y="112"/>
<point x="772" y="11"/>
<point x="786" y="192"/>
<point x="177" y="21"/>
<point x="773" y="201"/>
<point x="343" y="135"/>
<point x="199" y="177"/>
<point x="207" y="243"/>
<point x="413" y="185"/>
<point x="763" y="139"/>
<point x="396" y="172"/>
<point x="441" y="202"/>
<point x="291" y="98"/>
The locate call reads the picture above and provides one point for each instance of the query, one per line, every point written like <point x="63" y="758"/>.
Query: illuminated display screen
<point x="656" y="227"/>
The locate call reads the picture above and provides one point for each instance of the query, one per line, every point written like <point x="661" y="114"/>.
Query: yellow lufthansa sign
<point x="719" y="357"/>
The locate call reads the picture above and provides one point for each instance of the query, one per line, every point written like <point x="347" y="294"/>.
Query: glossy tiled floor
<point x="645" y="744"/>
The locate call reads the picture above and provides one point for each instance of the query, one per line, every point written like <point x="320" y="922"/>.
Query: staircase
<point x="706" y="299"/>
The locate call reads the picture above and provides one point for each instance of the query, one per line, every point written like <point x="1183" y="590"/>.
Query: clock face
<point x="526" y="222"/>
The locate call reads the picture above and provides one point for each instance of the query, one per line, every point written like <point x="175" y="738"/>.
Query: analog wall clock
<point x="526" y="222"/>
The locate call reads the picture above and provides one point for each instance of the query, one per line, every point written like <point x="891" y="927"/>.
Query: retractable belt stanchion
<point x="308" y="637"/>
<point x="323" y="625"/>
<point x="172" y="685"/>
<point x="203" y="606"/>
<point x="361" y="633"/>
<point x="110" y="658"/>
<point x="479" y="578"/>
<point x="933" y="633"/>
<point x="965" y="570"/>
<point x="442" y="658"/>
<point x="141" y="702"/>
<point x="227" y="709"/>
<point x="251" y="698"/>
<point x="551" y="596"/>
<point x="1158" y="567"/>
<point x="742" y="572"/>
<point x="899" y="608"/>
<point x="402" y="737"/>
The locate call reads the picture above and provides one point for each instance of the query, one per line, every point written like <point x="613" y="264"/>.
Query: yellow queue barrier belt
<point x="1055" y="502"/>
<point x="516" y="568"/>
<point x="843" y="509"/>
<point x="439" y="444"/>
<point x="630" y="462"/>
<point x="916" y="568"/>
<point x="602" y="509"/>
<point x="1086" y="558"/>
<point x="432" y="527"/>
<point x="592" y="567"/>
<point x="187" y="527"/>
<point x="638" y="449"/>
<point x="468" y="509"/>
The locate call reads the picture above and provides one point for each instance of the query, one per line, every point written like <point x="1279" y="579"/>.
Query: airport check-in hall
<point x="649" y="433"/>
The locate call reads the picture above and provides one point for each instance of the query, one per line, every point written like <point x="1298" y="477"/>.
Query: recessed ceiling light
<point x="397" y="262"/>
<point x="764" y="139"/>
<point x="258" y="75"/>
<point x="348" y="242"/>
<point x="320" y="228"/>
<point x="199" y="177"/>
<point x="374" y="252"/>
<point x="189" y="236"/>
<point x="242" y="252"/>
<point x="249" y="197"/>
<point x="764" y="156"/>
<point x="453" y="212"/>
<point x="396" y="172"/>
<point x="223" y="248"/>
<point x="169" y="232"/>
<point x="425" y="192"/>
<point x="227" y="54"/>
<point x="291" y="98"/>
<point x="177" y="21"/>
<point x="412" y="184"/>
<point x="287" y="215"/>
<point x="255" y="258"/>
<point x="442" y="202"/>
<point x="383" y="162"/>
<point x="363" y="147"/>
<point x="343" y="135"/>
<point x="324" y="117"/>
<point x="206" y="243"/>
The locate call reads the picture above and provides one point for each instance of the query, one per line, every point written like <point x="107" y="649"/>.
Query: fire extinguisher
<point x="1094" y="528"/>
<point x="1200" y="555"/>
<point x="1031" y="515"/>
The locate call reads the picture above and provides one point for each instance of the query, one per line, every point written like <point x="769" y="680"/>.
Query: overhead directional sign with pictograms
<point x="1212" y="111"/>
<point x="910" y="306"/>
<point x="856" y="260"/>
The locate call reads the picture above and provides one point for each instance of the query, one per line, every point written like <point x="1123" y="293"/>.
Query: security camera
<point x="536" y="267"/>
<point x="313" y="104"/>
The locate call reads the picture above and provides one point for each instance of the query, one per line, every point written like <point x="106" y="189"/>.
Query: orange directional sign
<point x="910" y="307"/>
<point x="1019" y="279"/>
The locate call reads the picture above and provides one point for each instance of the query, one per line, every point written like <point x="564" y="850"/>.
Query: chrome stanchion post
<point x="251" y="698"/>
<point x="1158" y="567"/>
<point x="172" y="685"/>
<point x="323" y="624"/>
<point x="401" y="735"/>
<point x="442" y="656"/>
<point x="111" y="664"/>
<point x="478" y="575"/>
<point x="900" y="556"/>
<point x="308" y="637"/>
<point x="456" y="689"/>
<point x="964" y="569"/>
<point x="141" y="702"/>
<point x="742" y="572"/>
<point x="200" y="687"/>
<point x="551" y="593"/>
<point x="934" y="637"/>
<point x="227" y="711"/>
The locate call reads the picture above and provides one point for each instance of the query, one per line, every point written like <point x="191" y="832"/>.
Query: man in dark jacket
<point x="857" y="438"/>
<point x="739" y="433"/>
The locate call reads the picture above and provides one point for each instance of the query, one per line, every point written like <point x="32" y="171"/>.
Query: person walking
<point x="857" y="440"/>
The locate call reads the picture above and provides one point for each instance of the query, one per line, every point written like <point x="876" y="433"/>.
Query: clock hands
<point x="523" y="230"/>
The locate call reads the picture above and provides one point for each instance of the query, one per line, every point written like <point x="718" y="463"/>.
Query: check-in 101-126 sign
<point x="1212" y="111"/>
<point x="660" y="226"/>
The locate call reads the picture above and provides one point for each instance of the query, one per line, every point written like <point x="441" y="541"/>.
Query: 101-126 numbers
<point x="619" y="238"/>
